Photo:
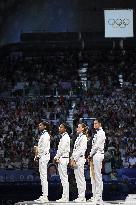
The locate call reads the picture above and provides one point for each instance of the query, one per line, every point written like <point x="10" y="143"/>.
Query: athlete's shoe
<point x="80" y="200"/>
<point x="42" y="199"/>
<point x="62" y="200"/>
<point x="98" y="201"/>
<point x="92" y="199"/>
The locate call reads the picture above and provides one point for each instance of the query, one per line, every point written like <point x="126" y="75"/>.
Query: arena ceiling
<point x="11" y="11"/>
<point x="8" y="6"/>
<point x="6" y="9"/>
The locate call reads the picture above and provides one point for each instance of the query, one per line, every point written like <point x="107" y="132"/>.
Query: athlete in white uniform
<point x="97" y="156"/>
<point x="78" y="156"/>
<point x="44" y="157"/>
<point x="62" y="157"/>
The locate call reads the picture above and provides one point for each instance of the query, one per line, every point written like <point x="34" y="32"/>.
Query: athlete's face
<point x="79" y="129"/>
<point x="41" y="127"/>
<point x="62" y="129"/>
<point x="97" y="125"/>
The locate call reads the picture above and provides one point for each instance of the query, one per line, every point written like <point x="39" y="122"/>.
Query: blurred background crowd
<point x="51" y="88"/>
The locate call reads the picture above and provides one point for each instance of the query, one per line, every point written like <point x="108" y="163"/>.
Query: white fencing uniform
<point x="78" y="155"/>
<point x="97" y="152"/>
<point x="63" y="156"/>
<point x="44" y="157"/>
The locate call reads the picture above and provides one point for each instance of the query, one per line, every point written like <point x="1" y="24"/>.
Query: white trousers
<point x="97" y="183"/>
<point x="43" y="162"/>
<point x="62" y="168"/>
<point x="80" y="178"/>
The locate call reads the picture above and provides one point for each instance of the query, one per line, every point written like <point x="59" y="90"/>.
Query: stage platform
<point x="68" y="203"/>
<point x="130" y="200"/>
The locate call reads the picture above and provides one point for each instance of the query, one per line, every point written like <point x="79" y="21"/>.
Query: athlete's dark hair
<point x="65" y="125"/>
<point x="99" y="120"/>
<point x="46" y="124"/>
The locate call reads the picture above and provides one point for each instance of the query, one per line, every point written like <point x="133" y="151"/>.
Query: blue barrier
<point x="129" y="172"/>
<point x="18" y="175"/>
<point x="33" y="176"/>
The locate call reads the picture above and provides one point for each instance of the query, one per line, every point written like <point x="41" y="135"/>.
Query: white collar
<point x="64" y="134"/>
<point x="100" y="128"/>
<point x="43" y="132"/>
<point x="80" y="134"/>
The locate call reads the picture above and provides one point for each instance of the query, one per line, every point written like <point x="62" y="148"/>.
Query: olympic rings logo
<point x="121" y="23"/>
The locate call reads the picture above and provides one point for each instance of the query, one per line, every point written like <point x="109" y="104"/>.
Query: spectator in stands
<point x="107" y="164"/>
<point x="132" y="160"/>
<point x="52" y="170"/>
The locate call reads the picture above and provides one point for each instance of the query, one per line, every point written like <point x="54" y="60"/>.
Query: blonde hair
<point x="86" y="130"/>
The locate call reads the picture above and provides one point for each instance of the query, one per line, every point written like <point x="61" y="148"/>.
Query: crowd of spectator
<point x="47" y="87"/>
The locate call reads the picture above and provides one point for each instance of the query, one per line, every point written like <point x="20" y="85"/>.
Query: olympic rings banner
<point x="118" y="23"/>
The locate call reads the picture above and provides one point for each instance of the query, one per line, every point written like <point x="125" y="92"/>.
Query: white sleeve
<point x="99" y="142"/>
<point x="63" y="147"/>
<point x="45" y="148"/>
<point x="81" y="149"/>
